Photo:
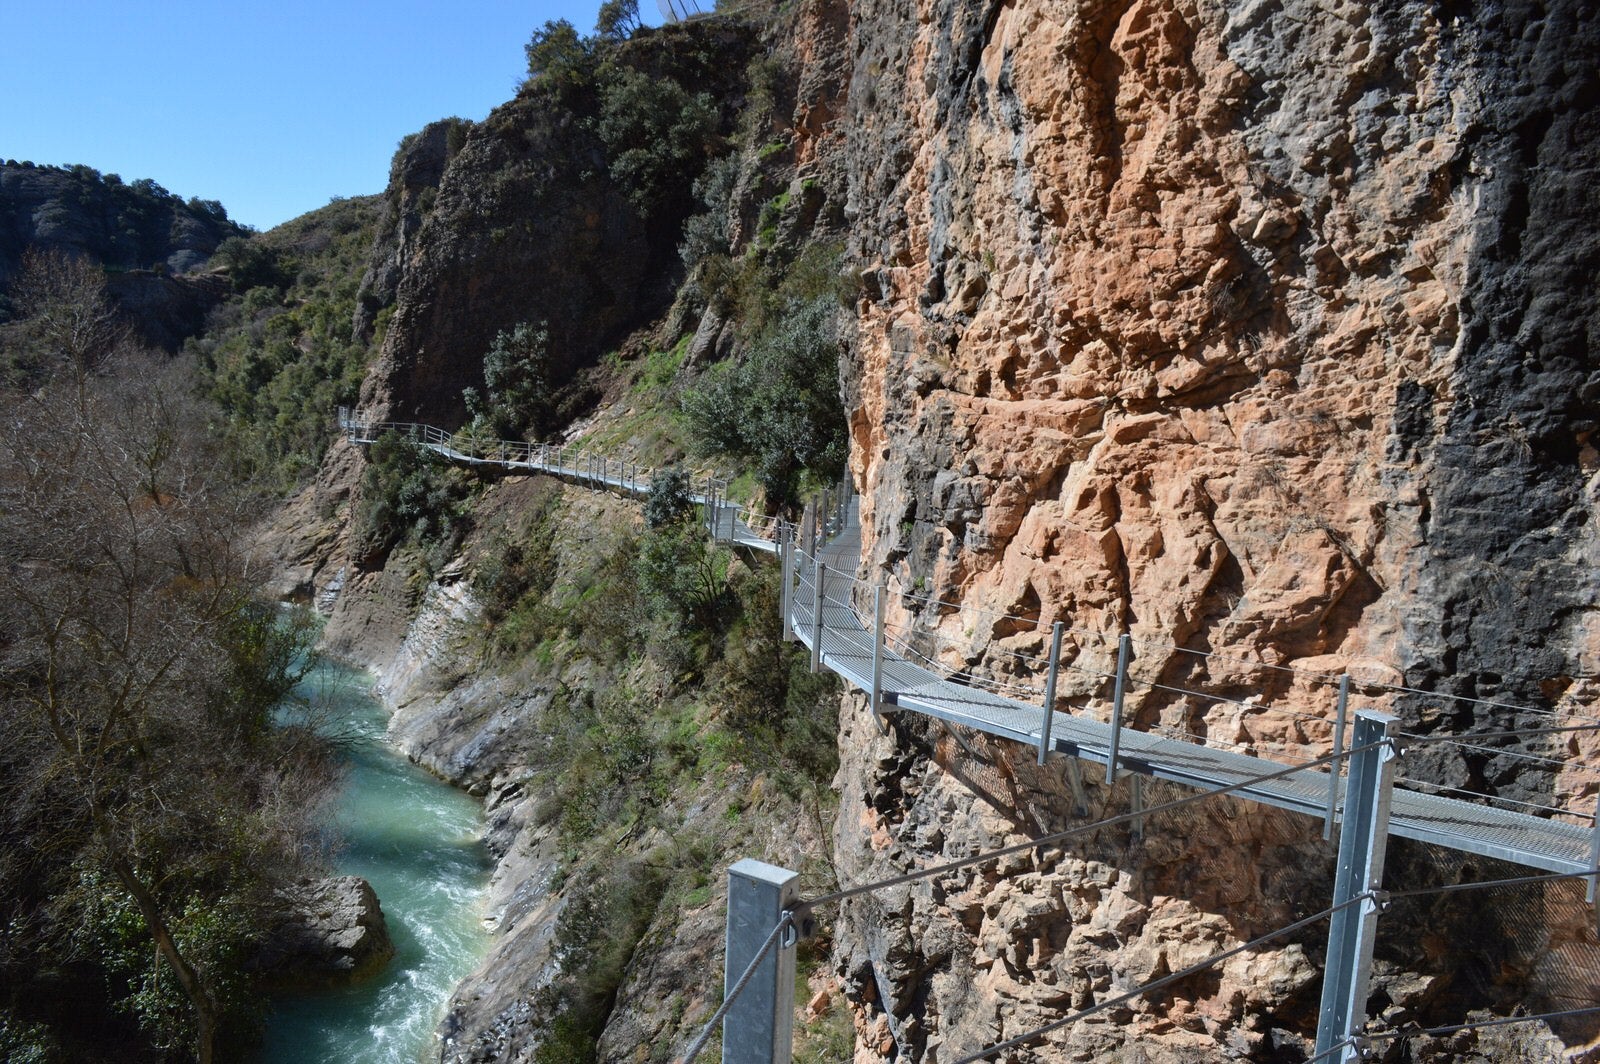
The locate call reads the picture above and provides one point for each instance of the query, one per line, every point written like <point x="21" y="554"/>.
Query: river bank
<point x="419" y="842"/>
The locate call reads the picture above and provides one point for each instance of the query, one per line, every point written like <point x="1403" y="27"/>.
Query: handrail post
<point x="1594" y="855"/>
<point x="1363" y="842"/>
<point x="879" y="600"/>
<point x="1337" y="763"/>
<point x="1050" y="690"/>
<point x="808" y="531"/>
<point x="759" y="1026"/>
<point x="1124" y="647"/>
<point x="820" y="578"/>
<point x="1136" y="805"/>
<point x="786" y="589"/>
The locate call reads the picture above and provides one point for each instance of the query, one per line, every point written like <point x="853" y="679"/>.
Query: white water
<point x="418" y="841"/>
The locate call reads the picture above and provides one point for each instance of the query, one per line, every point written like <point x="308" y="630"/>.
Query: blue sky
<point x="272" y="108"/>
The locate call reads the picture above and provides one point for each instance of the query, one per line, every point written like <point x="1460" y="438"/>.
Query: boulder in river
<point x="330" y="930"/>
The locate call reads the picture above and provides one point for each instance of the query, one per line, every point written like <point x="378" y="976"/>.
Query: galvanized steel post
<point x="759" y="1026"/>
<point x="1050" y="691"/>
<point x="819" y="578"/>
<point x="1363" y="842"/>
<point x="1136" y="805"/>
<point x="1337" y="763"/>
<point x="1594" y="854"/>
<point x="808" y="531"/>
<point x="786" y="566"/>
<point x="879" y="598"/>
<point x="1124" y="647"/>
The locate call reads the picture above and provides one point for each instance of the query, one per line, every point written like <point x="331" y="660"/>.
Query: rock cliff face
<point x="1255" y="329"/>
<point x="1258" y="332"/>
<point x="527" y="225"/>
<point x="136" y="225"/>
<point x="141" y="233"/>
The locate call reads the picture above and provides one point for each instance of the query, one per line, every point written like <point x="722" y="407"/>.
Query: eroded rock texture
<point x="527" y="225"/>
<point x="1259" y="329"/>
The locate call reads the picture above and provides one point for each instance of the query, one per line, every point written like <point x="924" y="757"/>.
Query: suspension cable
<point x="1489" y="884"/>
<point x="1082" y="829"/>
<point x="1498" y="1021"/>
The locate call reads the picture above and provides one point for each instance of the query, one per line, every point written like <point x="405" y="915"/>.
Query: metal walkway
<point x="849" y="647"/>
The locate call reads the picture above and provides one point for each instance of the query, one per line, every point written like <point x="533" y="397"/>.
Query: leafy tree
<point x="250" y="264"/>
<point x="779" y="405"/>
<point x="558" y="57"/>
<point x="617" y="19"/>
<point x="516" y="380"/>
<point x="655" y="131"/>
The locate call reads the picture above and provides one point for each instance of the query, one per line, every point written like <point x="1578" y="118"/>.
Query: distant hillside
<point x="135" y="225"/>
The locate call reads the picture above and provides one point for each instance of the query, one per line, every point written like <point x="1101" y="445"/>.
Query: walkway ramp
<point x="848" y="647"/>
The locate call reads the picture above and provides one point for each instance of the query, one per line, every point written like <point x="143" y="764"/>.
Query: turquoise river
<point x="419" y="843"/>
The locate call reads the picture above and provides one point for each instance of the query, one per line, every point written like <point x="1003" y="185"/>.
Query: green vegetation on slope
<point x="681" y="728"/>
<point x="281" y="355"/>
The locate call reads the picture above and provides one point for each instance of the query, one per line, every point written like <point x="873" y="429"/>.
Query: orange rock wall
<point x="1234" y="328"/>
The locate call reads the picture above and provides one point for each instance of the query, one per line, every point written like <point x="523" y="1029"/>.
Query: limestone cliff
<point x="1258" y="332"/>
<point x="150" y="242"/>
<point x="528" y="225"/>
<point x="1256" y="329"/>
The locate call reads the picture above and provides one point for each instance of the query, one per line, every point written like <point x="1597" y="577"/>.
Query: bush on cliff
<point x="517" y="395"/>
<point x="408" y="495"/>
<point x="778" y="407"/>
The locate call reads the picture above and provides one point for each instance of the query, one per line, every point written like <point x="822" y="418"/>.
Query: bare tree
<point x="65" y="314"/>
<point x="130" y="651"/>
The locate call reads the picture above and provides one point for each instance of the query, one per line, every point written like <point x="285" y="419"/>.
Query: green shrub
<point x="519" y="568"/>
<point x="516" y="380"/>
<point x="215" y="936"/>
<point x="683" y="577"/>
<point x="655" y="132"/>
<point x="26" y="1043"/>
<point x="779" y="406"/>
<point x="408" y="494"/>
<point x="668" y="502"/>
<point x="251" y="264"/>
<point x="559" y="59"/>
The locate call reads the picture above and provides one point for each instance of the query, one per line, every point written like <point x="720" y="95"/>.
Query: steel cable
<point x="1164" y="981"/>
<point x="1083" y="829"/>
<point x="738" y="988"/>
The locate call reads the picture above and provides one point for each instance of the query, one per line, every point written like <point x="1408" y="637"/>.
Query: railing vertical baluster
<point x="1124" y="647"/>
<point x="1338" y="753"/>
<point x="1136" y="805"/>
<point x="1594" y="854"/>
<point x="1363" y="843"/>
<point x="819" y="578"/>
<point x="879" y="600"/>
<point x="1050" y="691"/>
<point x="786" y="593"/>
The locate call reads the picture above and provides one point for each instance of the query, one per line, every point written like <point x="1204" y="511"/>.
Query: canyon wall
<point x="1260" y="332"/>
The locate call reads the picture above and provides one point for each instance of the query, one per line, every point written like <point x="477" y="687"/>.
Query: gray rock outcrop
<point x="332" y="930"/>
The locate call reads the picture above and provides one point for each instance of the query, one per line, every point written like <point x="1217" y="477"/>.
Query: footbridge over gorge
<point x="843" y="621"/>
